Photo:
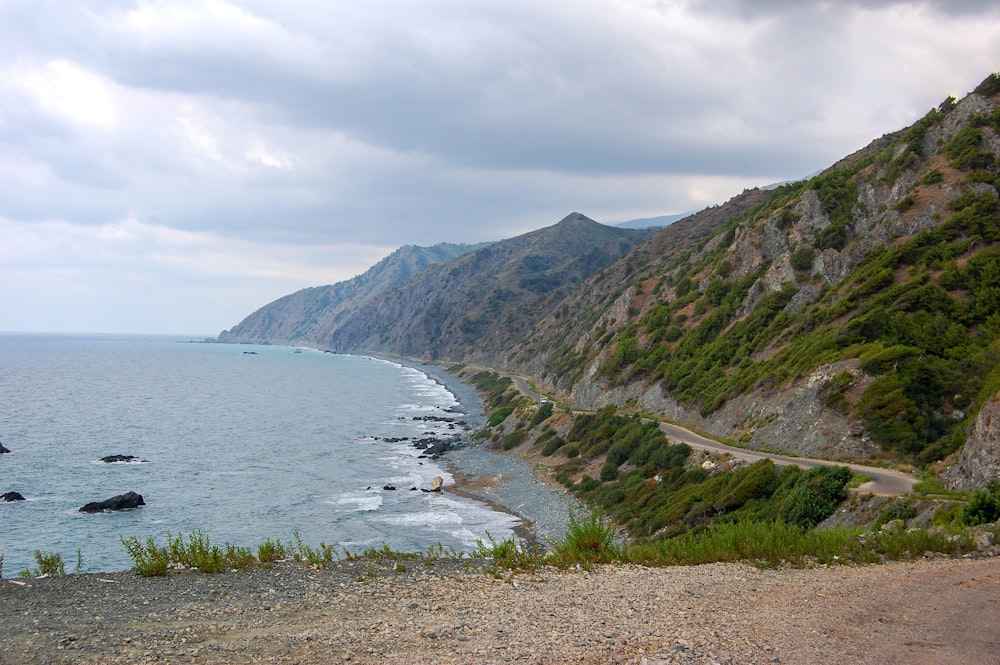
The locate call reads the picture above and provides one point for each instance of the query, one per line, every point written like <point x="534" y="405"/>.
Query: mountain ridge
<point x="852" y="315"/>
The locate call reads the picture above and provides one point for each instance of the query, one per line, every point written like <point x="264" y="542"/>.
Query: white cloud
<point x="287" y="138"/>
<point x="147" y="265"/>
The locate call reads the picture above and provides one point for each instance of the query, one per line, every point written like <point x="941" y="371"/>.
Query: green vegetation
<point x="921" y="314"/>
<point x="983" y="506"/>
<point x="49" y="564"/>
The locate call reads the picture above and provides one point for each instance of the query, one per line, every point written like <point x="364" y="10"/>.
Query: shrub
<point x="552" y="445"/>
<point x="49" y="563"/>
<point x="510" y="554"/>
<point x="514" y="439"/>
<point x="588" y="541"/>
<point x="984" y="505"/>
<point x="270" y="551"/>
<point x="148" y="560"/>
<point x="803" y="258"/>
<point x="813" y="496"/>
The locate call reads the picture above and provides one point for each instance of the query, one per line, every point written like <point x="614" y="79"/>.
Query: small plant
<point x="588" y="541"/>
<point x="239" y="558"/>
<point x="270" y="551"/>
<point x="79" y="561"/>
<point x="310" y="556"/>
<point x="509" y="554"/>
<point x="49" y="564"/>
<point x="148" y="560"/>
<point x="197" y="553"/>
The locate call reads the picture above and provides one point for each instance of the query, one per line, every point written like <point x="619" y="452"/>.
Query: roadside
<point x="886" y="482"/>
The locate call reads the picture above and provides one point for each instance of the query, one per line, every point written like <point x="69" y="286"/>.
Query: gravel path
<point x="930" y="611"/>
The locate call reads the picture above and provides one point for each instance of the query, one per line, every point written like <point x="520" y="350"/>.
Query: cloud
<point x="327" y="124"/>
<point x="147" y="266"/>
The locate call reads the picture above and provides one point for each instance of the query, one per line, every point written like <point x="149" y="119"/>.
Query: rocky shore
<point x="928" y="611"/>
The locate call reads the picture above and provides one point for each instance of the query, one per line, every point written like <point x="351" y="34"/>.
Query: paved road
<point x="883" y="481"/>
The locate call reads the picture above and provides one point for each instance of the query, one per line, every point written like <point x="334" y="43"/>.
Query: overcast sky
<point x="172" y="166"/>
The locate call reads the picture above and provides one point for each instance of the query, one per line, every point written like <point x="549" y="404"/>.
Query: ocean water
<point x="242" y="446"/>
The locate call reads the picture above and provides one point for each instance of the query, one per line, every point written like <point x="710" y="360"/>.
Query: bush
<point x="983" y="506"/>
<point x="802" y="259"/>
<point x="814" y="495"/>
<point x="587" y="542"/>
<point x="148" y="560"/>
<point x="554" y="444"/>
<point x="49" y="564"/>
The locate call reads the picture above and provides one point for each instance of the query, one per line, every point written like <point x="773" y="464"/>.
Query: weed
<point x="310" y="556"/>
<point x="588" y="541"/>
<point x="49" y="564"/>
<point x="509" y="554"/>
<point x="270" y="551"/>
<point x="148" y="560"/>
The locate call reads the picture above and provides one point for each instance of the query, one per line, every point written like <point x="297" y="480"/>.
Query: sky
<point x="170" y="167"/>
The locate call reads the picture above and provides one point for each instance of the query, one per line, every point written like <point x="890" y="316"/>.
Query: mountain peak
<point x="575" y="219"/>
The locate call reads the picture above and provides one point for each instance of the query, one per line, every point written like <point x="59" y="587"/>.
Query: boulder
<point x="11" y="496"/>
<point x="2" y="449"/>
<point x="112" y="459"/>
<point x="436" y="483"/>
<point x="125" y="501"/>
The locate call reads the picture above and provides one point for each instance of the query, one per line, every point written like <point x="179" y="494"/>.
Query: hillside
<point x="854" y="315"/>
<point x="474" y="307"/>
<point x="307" y="316"/>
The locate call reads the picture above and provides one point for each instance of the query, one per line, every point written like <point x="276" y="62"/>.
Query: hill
<point x="855" y="315"/>
<point x="478" y="305"/>
<point x="307" y="316"/>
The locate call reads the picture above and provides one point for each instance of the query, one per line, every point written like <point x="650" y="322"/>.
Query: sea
<point x="242" y="443"/>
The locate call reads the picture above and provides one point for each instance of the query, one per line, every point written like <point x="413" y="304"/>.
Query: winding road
<point x="883" y="481"/>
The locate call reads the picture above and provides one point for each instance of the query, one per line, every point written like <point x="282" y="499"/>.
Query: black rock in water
<point x="2" y="449"/>
<point x="110" y="459"/>
<point x="12" y="496"/>
<point x="125" y="501"/>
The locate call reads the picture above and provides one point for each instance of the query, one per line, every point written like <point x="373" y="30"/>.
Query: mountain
<point x="852" y="315"/>
<point x="474" y="307"/>
<point x="855" y="315"/>
<point x="306" y="316"/>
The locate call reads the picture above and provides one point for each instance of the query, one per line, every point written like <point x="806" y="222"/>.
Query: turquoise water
<point x="243" y="446"/>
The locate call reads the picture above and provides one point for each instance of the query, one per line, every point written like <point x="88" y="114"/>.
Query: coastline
<point x="503" y="481"/>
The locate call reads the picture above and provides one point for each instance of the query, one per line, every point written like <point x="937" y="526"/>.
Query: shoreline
<point x="504" y="481"/>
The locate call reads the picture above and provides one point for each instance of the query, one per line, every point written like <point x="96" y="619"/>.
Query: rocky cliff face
<point x="979" y="460"/>
<point x="799" y="319"/>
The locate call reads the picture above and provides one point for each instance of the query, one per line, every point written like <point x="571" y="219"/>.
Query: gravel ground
<point x="930" y="611"/>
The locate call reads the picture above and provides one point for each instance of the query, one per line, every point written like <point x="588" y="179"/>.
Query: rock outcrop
<point x="2" y="449"/>
<point x="125" y="501"/>
<point x="979" y="461"/>
<point x="122" y="459"/>
<point x="11" y="496"/>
